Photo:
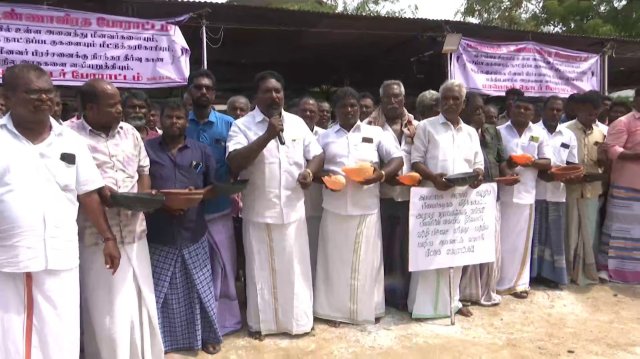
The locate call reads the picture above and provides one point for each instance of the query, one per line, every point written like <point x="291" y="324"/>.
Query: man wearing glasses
<point x="211" y="128"/>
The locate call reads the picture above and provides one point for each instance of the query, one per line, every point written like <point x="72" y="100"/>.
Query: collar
<point x="530" y="126"/>
<point x="163" y="145"/>
<point x="337" y="127"/>
<point x="258" y="116"/>
<point x="6" y="120"/>
<point x="559" y="128"/>
<point x="442" y="120"/>
<point x="212" y="116"/>
<point x="88" y="129"/>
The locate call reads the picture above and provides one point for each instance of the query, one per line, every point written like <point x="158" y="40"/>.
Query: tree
<point x="354" y="7"/>
<point x="583" y="17"/>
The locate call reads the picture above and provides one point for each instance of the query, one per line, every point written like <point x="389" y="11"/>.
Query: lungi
<point x="119" y="314"/>
<point x="279" y="290"/>
<point x="40" y="314"/>
<point x="581" y="240"/>
<point x="620" y="244"/>
<point x="516" y="230"/>
<point x="429" y="293"/>
<point x="222" y="249"/>
<point x="395" y="251"/>
<point x="350" y="275"/>
<point x="548" y="258"/>
<point x="478" y="281"/>
<point x="184" y="296"/>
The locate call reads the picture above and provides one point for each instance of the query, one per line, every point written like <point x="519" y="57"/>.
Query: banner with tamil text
<point x="538" y="70"/>
<point x="76" y="46"/>
<point x="452" y="228"/>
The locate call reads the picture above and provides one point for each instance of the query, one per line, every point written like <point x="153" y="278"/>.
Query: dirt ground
<point x="591" y="322"/>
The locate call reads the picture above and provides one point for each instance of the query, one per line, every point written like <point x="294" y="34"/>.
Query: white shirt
<point x="38" y="198"/>
<point x="564" y="147"/>
<point x="533" y="141"/>
<point x="398" y="193"/>
<point x="313" y="194"/>
<point x="364" y="143"/>
<point x="445" y="149"/>
<point x="273" y="194"/>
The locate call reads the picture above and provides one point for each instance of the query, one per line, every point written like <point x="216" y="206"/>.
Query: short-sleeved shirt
<point x="446" y="149"/>
<point x="273" y="194"/>
<point x="214" y="133"/>
<point x="192" y="166"/>
<point x="535" y="142"/>
<point x="342" y="148"/>
<point x="313" y="194"/>
<point x="588" y="140"/>
<point x="398" y="193"/>
<point x="493" y="149"/>
<point x="565" y="150"/>
<point x="624" y="134"/>
<point x="121" y="159"/>
<point x="39" y="188"/>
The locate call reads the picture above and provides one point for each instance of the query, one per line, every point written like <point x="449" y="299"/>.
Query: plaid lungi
<point x="184" y="295"/>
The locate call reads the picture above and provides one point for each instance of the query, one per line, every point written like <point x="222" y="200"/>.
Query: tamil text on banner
<point x="492" y="68"/>
<point x="451" y="228"/>
<point x="77" y="46"/>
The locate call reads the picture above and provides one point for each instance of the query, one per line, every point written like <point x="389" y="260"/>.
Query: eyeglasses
<point x="35" y="94"/>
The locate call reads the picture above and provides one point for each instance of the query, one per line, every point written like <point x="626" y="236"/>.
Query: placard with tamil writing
<point x="451" y="228"/>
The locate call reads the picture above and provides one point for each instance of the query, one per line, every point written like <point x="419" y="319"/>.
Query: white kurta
<point x="276" y="243"/>
<point x="442" y="148"/>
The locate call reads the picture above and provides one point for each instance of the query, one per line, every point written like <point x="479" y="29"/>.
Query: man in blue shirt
<point x="212" y="128"/>
<point x="178" y="249"/>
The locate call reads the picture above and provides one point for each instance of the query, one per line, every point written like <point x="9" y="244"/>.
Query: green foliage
<point x="358" y="7"/>
<point x="584" y="17"/>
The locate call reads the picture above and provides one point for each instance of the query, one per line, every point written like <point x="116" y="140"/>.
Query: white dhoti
<point x="350" y="274"/>
<point x="430" y="295"/>
<point x="313" y="230"/>
<point x="278" y="278"/>
<point x="119" y="314"/>
<point x="40" y="314"/>
<point x="516" y="233"/>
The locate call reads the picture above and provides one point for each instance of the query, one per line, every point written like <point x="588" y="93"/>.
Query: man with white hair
<point x="427" y="105"/>
<point x="397" y="123"/>
<point x="443" y="145"/>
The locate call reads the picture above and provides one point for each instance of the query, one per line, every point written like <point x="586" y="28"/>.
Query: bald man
<point x="238" y="106"/>
<point x="118" y="312"/>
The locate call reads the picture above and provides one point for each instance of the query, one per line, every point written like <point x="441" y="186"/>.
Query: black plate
<point x="594" y="177"/>
<point x="462" y="179"/>
<point x="139" y="202"/>
<point x="227" y="189"/>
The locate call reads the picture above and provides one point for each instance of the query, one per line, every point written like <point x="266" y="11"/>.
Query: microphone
<point x="281" y="138"/>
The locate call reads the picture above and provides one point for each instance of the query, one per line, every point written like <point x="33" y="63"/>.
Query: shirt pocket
<point x="64" y="174"/>
<point x="530" y="147"/>
<point x="366" y="152"/>
<point x="295" y="152"/>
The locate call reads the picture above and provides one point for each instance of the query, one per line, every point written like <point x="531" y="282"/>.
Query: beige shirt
<point x="588" y="142"/>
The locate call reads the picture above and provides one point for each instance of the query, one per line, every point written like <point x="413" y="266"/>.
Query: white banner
<point x="76" y="46"/>
<point x="452" y="228"/>
<point x="538" y="70"/>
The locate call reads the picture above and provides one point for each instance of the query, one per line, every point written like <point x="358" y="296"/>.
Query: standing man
<point x="510" y="96"/>
<point x="427" y="105"/>
<point x="112" y="306"/>
<point x="47" y="173"/>
<point x="324" y="111"/>
<point x="367" y="105"/>
<point x="516" y="202"/>
<point x="443" y="146"/>
<point x="398" y="123"/>
<point x="177" y="244"/>
<point x="548" y="254"/>
<point x="135" y="106"/>
<point x="212" y="128"/>
<point x="279" y="155"/>
<point x="56" y="107"/>
<point x="308" y="111"/>
<point x="153" y="122"/>
<point x="238" y="106"/>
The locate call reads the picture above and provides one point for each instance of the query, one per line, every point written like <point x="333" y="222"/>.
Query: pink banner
<point x="492" y="68"/>
<point x="76" y="46"/>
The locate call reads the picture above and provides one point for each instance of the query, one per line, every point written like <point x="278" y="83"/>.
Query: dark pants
<point x="395" y="251"/>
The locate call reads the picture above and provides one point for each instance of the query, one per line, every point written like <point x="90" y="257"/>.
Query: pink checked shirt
<point x="121" y="158"/>
<point x="624" y="134"/>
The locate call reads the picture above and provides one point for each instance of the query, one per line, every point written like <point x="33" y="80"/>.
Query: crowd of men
<point x="146" y="284"/>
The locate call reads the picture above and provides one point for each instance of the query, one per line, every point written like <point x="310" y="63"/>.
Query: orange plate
<point x="522" y="159"/>
<point x="334" y="182"/>
<point x="359" y="173"/>
<point x="410" y="179"/>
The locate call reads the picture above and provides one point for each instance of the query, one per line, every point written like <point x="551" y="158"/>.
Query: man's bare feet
<point x="212" y="349"/>
<point x="378" y="320"/>
<point x="520" y="295"/>
<point x="333" y="323"/>
<point x="256" y="336"/>
<point x="465" y="312"/>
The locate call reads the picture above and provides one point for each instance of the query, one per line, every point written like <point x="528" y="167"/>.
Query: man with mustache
<point x="211" y="128"/>
<point x="238" y="106"/>
<point x="47" y="173"/>
<point x="113" y="305"/>
<point x="278" y="154"/>
<point x="135" y="111"/>
<point x="367" y="105"/>
<point x="324" y="112"/>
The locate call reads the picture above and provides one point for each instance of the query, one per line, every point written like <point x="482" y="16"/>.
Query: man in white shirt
<point x="520" y="136"/>
<point x="308" y="111"/>
<point x="119" y="313"/>
<point x="276" y="151"/>
<point x="350" y="276"/>
<point x="548" y="254"/>
<point x="443" y="145"/>
<point x="47" y="173"/>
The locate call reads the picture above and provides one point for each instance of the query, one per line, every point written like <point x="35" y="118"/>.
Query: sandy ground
<point x="591" y="322"/>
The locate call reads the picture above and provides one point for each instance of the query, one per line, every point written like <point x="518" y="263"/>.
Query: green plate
<point x="139" y="202"/>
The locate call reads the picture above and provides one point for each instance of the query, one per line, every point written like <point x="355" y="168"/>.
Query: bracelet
<point x="384" y="175"/>
<point x="108" y="239"/>
<point x="309" y="171"/>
